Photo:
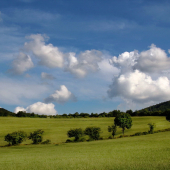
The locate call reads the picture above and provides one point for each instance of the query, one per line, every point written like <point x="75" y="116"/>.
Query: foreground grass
<point x="150" y="152"/>
<point x="56" y="129"/>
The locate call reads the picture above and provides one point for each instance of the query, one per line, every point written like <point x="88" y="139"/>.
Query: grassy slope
<point x="56" y="129"/>
<point x="143" y="152"/>
<point x="150" y="152"/>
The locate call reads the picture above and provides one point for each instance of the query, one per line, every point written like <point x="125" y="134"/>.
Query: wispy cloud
<point x="0" y="17"/>
<point x="111" y="25"/>
<point x="27" y="1"/>
<point x="30" y="16"/>
<point x="18" y="92"/>
<point x="47" y="76"/>
<point x="158" y="12"/>
<point x="21" y="64"/>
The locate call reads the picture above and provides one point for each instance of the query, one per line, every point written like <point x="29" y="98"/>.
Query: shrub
<point x="90" y="139"/>
<point x="138" y="134"/>
<point x="82" y="140"/>
<point x="68" y="141"/>
<point x="15" y="138"/>
<point x="110" y="137"/>
<point x="77" y="133"/>
<point x="112" y="129"/>
<point x="48" y="141"/>
<point x="93" y="132"/>
<point x="121" y="136"/>
<point x="36" y="136"/>
<point x="151" y="127"/>
<point x="145" y="133"/>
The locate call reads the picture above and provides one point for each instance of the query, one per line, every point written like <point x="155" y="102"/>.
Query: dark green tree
<point x="93" y="132"/>
<point x="130" y="112"/>
<point x="151" y="127"/>
<point x="168" y="117"/>
<point x="112" y="129"/>
<point x="15" y="138"/>
<point x="36" y="136"/>
<point x="124" y="121"/>
<point x="77" y="133"/>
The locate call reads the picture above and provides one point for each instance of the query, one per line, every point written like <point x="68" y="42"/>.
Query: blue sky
<point x="83" y="56"/>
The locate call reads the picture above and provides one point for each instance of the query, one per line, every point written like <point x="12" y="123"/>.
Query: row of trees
<point x="123" y="120"/>
<point x="92" y="132"/>
<point x="113" y="113"/>
<point x="16" y="138"/>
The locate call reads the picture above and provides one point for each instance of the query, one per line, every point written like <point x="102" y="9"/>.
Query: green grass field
<point x="143" y="152"/>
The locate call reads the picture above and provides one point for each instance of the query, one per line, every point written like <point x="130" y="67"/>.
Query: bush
<point x="138" y="134"/>
<point x="68" y="141"/>
<point x="121" y="136"/>
<point x="15" y="138"/>
<point x="93" y="132"/>
<point x="36" y="136"/>
<point x="82" y="140"/>
<point x="151" y="127"/>
<point x="77" y="133"/>
<point x="145" y="133"/>
<point x="112" y="129"/>
<point x="110" y="137"/>
<point x="48" y="141"/>
<point x="90" y="139"/>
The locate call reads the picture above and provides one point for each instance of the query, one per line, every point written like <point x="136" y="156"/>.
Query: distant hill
<point x="4" y="112"/>
<point x="158" y="107"/>
<point x="161" y="109"/>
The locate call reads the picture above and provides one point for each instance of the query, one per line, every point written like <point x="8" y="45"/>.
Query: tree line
<point x="113" y="113"/>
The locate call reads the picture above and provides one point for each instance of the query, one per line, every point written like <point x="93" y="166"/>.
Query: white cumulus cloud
<point x="21" y="64"/>
<point x="85" y="63"/>
<point x="153" y="60"/>
<point x="79" y="65"/>
<point x="139" y="87"/>
<point x="125" y="61"/>
<point x="39" y="108"/>
<point x="136" y="81"/>
<point x="48" y="55"/>
<point x="61" y="96"/>
<point x="17" y="109"/>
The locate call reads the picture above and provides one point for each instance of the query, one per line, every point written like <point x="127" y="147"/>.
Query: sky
<point x="86" y="56"/>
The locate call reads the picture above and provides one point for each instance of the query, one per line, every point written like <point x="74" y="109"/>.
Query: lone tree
<point x="112" y="129"/>
<point x="93" y="132"/>
<point x="123" y="120"/>
<point x="77" y="133"/>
